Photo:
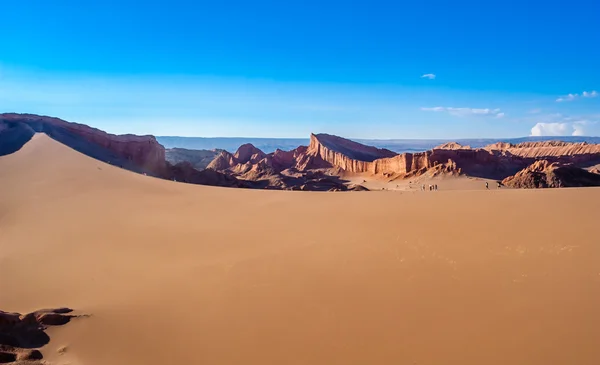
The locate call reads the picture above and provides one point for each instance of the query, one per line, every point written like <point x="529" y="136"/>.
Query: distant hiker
<point x="435" y="187"/>
<point x="487" y="186"/>
<point x="498" y="184"/>
<point x="423" y="187"/>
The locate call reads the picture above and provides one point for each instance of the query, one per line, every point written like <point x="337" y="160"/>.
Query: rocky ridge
<point x="545" y="174"/>
<point x="322" y="165"/>
<point x="140" y="153"/>
<point x="494" y="161"/>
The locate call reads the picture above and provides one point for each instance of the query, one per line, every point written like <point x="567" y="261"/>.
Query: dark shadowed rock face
<point x="185" y="172"/>
<point x="22" y="334"/>
<point x="137" y="153"/>
<point x="13" y="135"/>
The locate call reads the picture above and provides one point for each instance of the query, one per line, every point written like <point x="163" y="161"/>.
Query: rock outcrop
<point x="548" y="149"/>
<point x="545" y="174"/>
<point x="451" y="146"/>
<point x="284" y="170"/>
<point x="248" y="153"/>
<point x="199" y="159"/>
<point x="21" y="335"/>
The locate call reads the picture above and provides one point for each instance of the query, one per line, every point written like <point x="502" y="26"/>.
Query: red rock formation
<point x="494" y="161"/>
<point x="223" y="161"/>
<point x="451" y="146"/>
<point x="248" y="153"/>
<point x="345" y="154"/>
<point x="249" y="158"/>
<point x="326" y="144"/>
<point x="546" y="149"/>
<point x="545" y="174"/>
<point x="375" y="161"/>
<point x="282" y="160"/>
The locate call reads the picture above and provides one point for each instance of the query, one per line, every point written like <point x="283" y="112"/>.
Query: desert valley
<point x="328" y="163"/>
<point x="141" y="269"/>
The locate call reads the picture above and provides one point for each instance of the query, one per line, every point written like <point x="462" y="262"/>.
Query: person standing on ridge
<point x="487" y="186"/>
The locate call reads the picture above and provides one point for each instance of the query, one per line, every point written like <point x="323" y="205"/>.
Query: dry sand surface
<point x="184" y="274"/>
<point x="444" y="183"/>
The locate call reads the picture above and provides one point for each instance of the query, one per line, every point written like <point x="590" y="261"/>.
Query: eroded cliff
<point x="495" y="161"/>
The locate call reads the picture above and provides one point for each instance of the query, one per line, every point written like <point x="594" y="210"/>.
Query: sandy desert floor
<point x="184" y="274"/>
<point x="375" y="183"/>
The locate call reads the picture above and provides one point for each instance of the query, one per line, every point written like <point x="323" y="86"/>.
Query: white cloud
<point x="428" y="76"/>
<point x="571" y="97"/>
<point x="463" y="112"/>
<point x="435" y="109"/>
<point x="535" y="111"/>
<point x="551" y="129"/>
<point x="578" y="128"/>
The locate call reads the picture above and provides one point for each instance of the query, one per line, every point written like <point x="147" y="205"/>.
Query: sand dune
<point x="185" y="274"/>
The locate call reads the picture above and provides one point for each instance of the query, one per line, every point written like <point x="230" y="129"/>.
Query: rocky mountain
<point x="451" y="146"/>
<point x="545" y="174"/>
<point x="289" y="170"/>
<point x="495" y="161"/>
<point x="270" y="145"/>
<point x="322" y="165"/>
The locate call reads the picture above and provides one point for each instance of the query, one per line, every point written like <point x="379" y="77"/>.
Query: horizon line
<point x="382" y="139"/>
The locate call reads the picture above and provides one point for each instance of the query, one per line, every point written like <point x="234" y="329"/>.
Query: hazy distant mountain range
<point x="269" y="145"/>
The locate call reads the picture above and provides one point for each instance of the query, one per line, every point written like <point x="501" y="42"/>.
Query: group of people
<point x="498" y="185"/>
<point x="432" y="187"/>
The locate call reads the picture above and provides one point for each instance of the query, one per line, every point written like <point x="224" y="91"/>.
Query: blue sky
<point x="285" y="69"/>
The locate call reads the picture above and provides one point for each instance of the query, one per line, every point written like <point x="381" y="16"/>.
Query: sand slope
<point x="186" y="274"/>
